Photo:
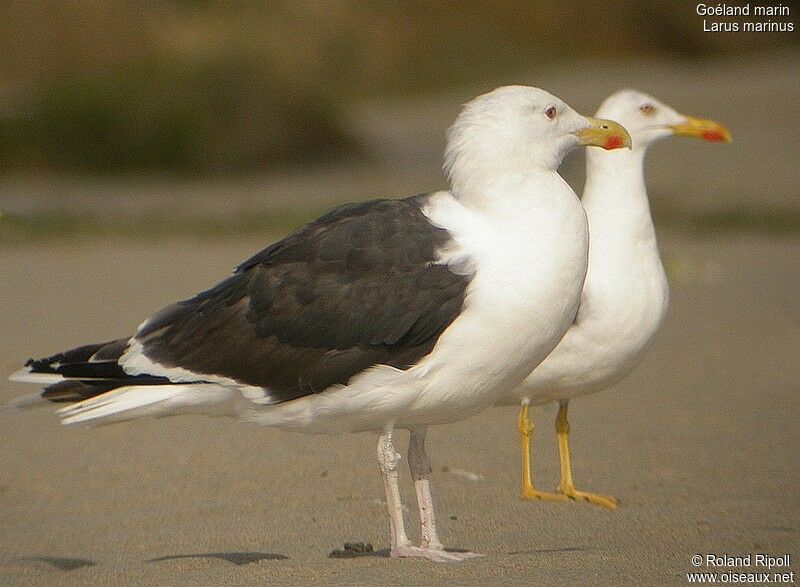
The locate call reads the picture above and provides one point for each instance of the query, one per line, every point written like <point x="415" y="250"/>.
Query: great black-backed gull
<point x="380" y="315"/>
<point x="625" y="294"/>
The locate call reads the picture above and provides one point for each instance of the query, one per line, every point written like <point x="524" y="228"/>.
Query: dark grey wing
<point x="358" y="287"/>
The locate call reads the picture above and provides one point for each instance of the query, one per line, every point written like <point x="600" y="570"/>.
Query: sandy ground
<point x="700" y="444"/>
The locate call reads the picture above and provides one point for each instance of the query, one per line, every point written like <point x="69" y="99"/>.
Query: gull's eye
<point x="551" y="112"/>
<point x="647" y="109"/>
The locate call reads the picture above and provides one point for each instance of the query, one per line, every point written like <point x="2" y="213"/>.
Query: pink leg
<point x="420" y="465"/>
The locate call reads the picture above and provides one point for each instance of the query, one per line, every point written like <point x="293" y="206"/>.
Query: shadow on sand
<point x="61" y="563"/>
<point x="237" y="558"/>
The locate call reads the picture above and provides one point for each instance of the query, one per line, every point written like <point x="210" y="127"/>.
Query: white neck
<point x="512" y="194"/>
<point x="616" y="203"/>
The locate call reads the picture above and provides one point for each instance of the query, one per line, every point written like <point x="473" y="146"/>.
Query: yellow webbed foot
<point x="531" y="494"/>
<point x="604" y="501"/>
<point x="567" y="486"/>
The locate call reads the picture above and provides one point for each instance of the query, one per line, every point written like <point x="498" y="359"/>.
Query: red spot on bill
<point x="613" y="142"/>
<point x="714" y="136"/>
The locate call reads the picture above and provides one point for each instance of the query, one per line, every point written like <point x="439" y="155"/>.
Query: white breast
<point x="625" y="295"/>
<point x="616" y="323"/>
<point x="529" y="259"/>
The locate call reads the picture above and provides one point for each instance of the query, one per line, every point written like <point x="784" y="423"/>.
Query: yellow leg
<point x="529" y="492"/>
<point x="567" y="486"/>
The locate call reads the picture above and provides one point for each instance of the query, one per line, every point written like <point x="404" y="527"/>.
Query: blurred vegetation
<point x="209" y="87"/>
<point x="56" y="225"/>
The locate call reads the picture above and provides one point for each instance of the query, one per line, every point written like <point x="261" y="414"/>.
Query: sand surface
<point x="700" y="445"/>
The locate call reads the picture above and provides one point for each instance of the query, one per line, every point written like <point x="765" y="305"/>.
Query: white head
<point x="648" y="120"/>
<point x="516" y="128"/>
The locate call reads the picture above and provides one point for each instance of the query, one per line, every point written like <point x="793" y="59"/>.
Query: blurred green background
<point x="192" y="93"/>
<point x="206" y="87"/>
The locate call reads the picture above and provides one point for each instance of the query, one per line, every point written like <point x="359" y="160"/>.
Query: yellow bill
<point x="604" y="133"/>
<point x="702" y="128"/>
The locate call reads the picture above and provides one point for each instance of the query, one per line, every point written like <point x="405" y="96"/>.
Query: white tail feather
<point x="136" y="401"/>
<point x="25" y="376"/>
